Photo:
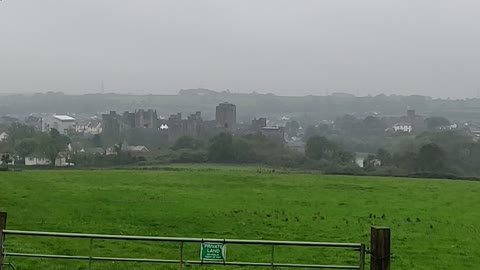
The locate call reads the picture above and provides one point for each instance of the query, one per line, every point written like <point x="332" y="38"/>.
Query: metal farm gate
<point x="212" y="251"/>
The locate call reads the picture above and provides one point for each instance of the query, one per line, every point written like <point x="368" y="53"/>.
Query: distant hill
<point x="249" y="105"/>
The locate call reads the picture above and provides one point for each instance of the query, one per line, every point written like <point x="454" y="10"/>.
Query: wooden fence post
<point x="3" y="226"/>
<point x="380" y="248"/>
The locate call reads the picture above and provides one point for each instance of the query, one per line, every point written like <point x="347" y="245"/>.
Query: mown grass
<point x="435" y="223"/>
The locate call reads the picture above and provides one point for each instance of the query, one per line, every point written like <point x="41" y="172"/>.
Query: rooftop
<point x="402" y="124"/>
<point x="271" y="128"/>
<point x="138" y="148"/>
<point x="64" y="118"/>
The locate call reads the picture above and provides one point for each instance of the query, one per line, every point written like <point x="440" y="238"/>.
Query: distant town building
<point x="134" y="149"/>
<point x="409" y="123"/>
<point x="91" y="127"/>
<point x="127" y="121"/>
<point x="146" y="119"/>
<point x="226" y="115"/>
<point x="411" y="114"/>
<point x="402" y="127"/>
<point x="258" y="124"/>
<point x="177" y="127"/>
<point x="62" y="123"/>
<point x="175" y="117"/>
<point x="113" y="123"/>
<point x="448" y="127"/>
<point x="137" y="149"/>
<point x="416" y="121"/>
<point x="274" y="132"/>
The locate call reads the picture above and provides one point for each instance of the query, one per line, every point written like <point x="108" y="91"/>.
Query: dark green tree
<point x="122" y="156"/>
<point x="18" y="131"/>
<point x="310" y="131"/>
<point x="431" y="158"/>
<point x="52" y="144"/>
<point x="187" y="142"/>
<point x="342" y="156"/>
<point x="25" y="147"/>
<point x="405" y="160"/>
<point x="348" y="123"/>
<point x="97" y="140"/>
<point x="373" y="125"/>
<point x="318" y="147"/>
<point x="436" y="122"/>
<point x="244" y="150"/>
<point x="221" y="148"/>
<point x="369" y="163"/>
<point x="6" y="160"/>
<point x="384" y="156"/>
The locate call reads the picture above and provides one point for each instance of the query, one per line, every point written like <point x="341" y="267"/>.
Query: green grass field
<point x="435" y="223"/>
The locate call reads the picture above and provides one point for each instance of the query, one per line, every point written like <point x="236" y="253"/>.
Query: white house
<point x="40" y="160"/>
<point x="163" y="127"/>
<point x="137" y="149"/>
<point x="93" y="128"/>
<point x="110" y="151"/>
<point x="403" y="127"/>
<point x="3" y="136"/>
<point x="36" y="161"/>
<point x="448" y="127"/>
<point x="62" y="123"/>
<point x="62" y="162"/>
<point x="360" y="162"/>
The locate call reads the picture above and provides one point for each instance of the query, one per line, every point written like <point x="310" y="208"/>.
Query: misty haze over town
<point x="296" y="134"/>
<point x="271" y="46"/>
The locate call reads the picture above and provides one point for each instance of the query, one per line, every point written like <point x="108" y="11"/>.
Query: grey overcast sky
<point x="294" y="47"/>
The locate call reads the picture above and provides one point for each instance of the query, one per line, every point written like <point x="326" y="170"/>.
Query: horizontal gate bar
<point x="317" y="266"/>
<point x="354" y="246"/>
<point x="139" y="260"/>
<point x="45" y="256"/>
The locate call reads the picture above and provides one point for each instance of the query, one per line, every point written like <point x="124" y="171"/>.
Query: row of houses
<point x="63" y="159"/>
<point x="43" y="161"/>
<point x="133" y="150"/>
<point x="409" y="128"/>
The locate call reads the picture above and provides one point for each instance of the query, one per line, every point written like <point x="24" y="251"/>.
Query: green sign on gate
<point x="213" y="252"/>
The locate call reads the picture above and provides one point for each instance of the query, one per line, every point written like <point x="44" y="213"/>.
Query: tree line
<point x="24" y="140"/>
<point x="447" y="154"/>
<point x="434" y="153"/>
<point x="320" y="154"/>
